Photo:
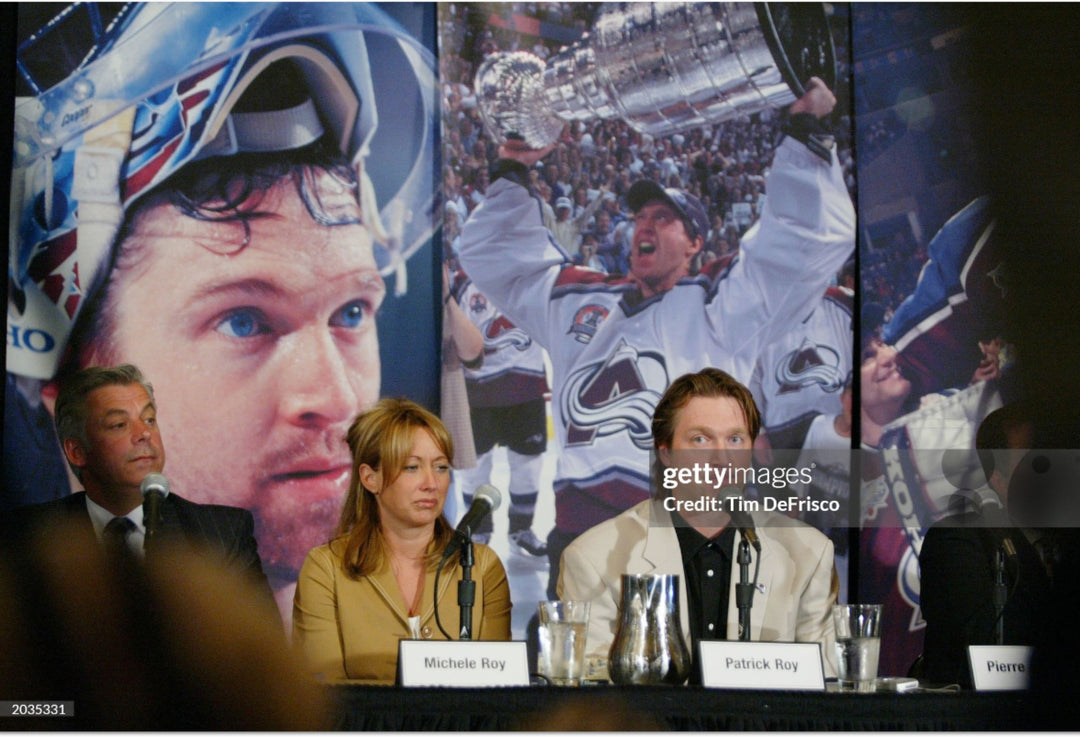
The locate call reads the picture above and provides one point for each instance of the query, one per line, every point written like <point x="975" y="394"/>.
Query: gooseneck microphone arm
<point x="1005" y="552"/>
<point x="744" y="589"/>
<point x="466" y="590"/>
<point x="485" y="501"/>
<point x="154" y="487"/>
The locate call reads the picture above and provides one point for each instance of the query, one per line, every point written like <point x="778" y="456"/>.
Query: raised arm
<point x="507" y="251"/>
<point x="805" y="233"/>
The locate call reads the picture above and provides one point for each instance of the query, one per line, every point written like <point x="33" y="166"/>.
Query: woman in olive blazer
<point x="373" y="585"/>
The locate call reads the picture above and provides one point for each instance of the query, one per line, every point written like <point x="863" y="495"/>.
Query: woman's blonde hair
<point x="382" y="438"/>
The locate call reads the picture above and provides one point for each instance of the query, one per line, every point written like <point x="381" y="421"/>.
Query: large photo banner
<point x="238" y="198"/>
<point x="583" y="326"/>
<point x="936" y="353"/>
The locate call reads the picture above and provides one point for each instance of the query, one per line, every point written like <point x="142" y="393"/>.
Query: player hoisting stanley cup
<point x="661" y="67"/>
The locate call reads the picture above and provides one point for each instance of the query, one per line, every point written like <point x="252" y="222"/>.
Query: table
<point x="653" y="708"/>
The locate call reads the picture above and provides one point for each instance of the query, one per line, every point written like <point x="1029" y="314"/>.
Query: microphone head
<point x="732" y="496"/>
<point x="740" y="518"/>
<point x="745" y="523"/>
<point x="154" y="482"/>
<point x="490" y="496"/>
<point x="1008" y="548"/>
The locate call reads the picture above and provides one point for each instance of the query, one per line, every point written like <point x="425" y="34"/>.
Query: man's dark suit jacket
<point x="957" y="565"/>
<point x="227" y="532"/>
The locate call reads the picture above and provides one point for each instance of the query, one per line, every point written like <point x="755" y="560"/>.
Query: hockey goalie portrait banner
<point x="146" y="230"/>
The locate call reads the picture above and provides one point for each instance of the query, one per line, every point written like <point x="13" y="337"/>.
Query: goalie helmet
<point x="131" y="114"/>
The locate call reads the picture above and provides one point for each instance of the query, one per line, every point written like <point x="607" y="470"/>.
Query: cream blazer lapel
<point x="661" y="554"/>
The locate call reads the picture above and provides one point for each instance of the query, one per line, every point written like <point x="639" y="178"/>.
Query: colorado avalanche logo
<point x="477" y="303"/>
<point x="500" y="333"/>
<point x="586" y="322"/>
<point x="616" y="396"/>
<point x="907" y="583"/>
<point x="807" y="365"/>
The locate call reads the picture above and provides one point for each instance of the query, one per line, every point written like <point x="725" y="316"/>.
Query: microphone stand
<point x="466" y="588"/>
<point x="744" y="590"/>
<point x="151" y="519"/>
<point x="1001" y="596"/>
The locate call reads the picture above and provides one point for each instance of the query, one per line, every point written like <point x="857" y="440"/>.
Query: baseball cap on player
<point x="687" y="205"/>
<point x="129" y="116"/>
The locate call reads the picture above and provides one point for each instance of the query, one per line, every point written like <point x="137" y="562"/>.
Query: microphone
<point x="1005" y="553"/>
<point x="744" y="589"/>
<point x="745" y="523"/>
<point x="154" y="487"/>
<point x="486" y="501"/>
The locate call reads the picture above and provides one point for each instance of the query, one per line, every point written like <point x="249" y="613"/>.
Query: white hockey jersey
<point x="802" y="375"/>
<point x="613" y="352"/>
<point x="513" y="370"/>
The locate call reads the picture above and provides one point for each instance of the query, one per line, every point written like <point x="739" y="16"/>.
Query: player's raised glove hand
<point x="805" y="122"/>
<point x="519" y="151"/>
<point x="818" y="100"/>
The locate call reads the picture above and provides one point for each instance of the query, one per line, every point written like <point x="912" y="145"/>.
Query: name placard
<point x="999" y="667"/>
<point x="793" y="666"/>
<point x="466" y="664"/>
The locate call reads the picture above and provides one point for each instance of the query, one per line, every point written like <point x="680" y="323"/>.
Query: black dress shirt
<point x="707" y="565"/>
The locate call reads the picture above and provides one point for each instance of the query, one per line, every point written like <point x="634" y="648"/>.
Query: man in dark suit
<point x="960" y="557"/>
<point x="106" y="420"/>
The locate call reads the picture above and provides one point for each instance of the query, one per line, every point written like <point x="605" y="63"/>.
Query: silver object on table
<point x="649" y="647"/>
<point x="662" y="68"/>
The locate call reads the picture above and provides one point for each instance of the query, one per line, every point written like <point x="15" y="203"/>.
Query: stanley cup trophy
<point x="662" y="68"/>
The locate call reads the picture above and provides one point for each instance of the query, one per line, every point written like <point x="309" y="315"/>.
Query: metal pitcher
<point x="649" y="647"/>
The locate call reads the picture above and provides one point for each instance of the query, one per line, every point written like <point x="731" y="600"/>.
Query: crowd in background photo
<point x="585" y="179"/>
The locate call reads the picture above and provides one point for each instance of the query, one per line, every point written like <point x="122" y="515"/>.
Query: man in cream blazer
<point x="797" y="583"/>
<point x="796" y="589"/>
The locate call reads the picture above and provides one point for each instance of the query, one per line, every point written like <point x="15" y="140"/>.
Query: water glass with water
<point x="563" y="625"/>
<point x="858" y="644"/>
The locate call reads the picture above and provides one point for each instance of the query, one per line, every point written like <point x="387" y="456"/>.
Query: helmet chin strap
<point x="54" y="295"/>
<point x="96" y="187"/>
